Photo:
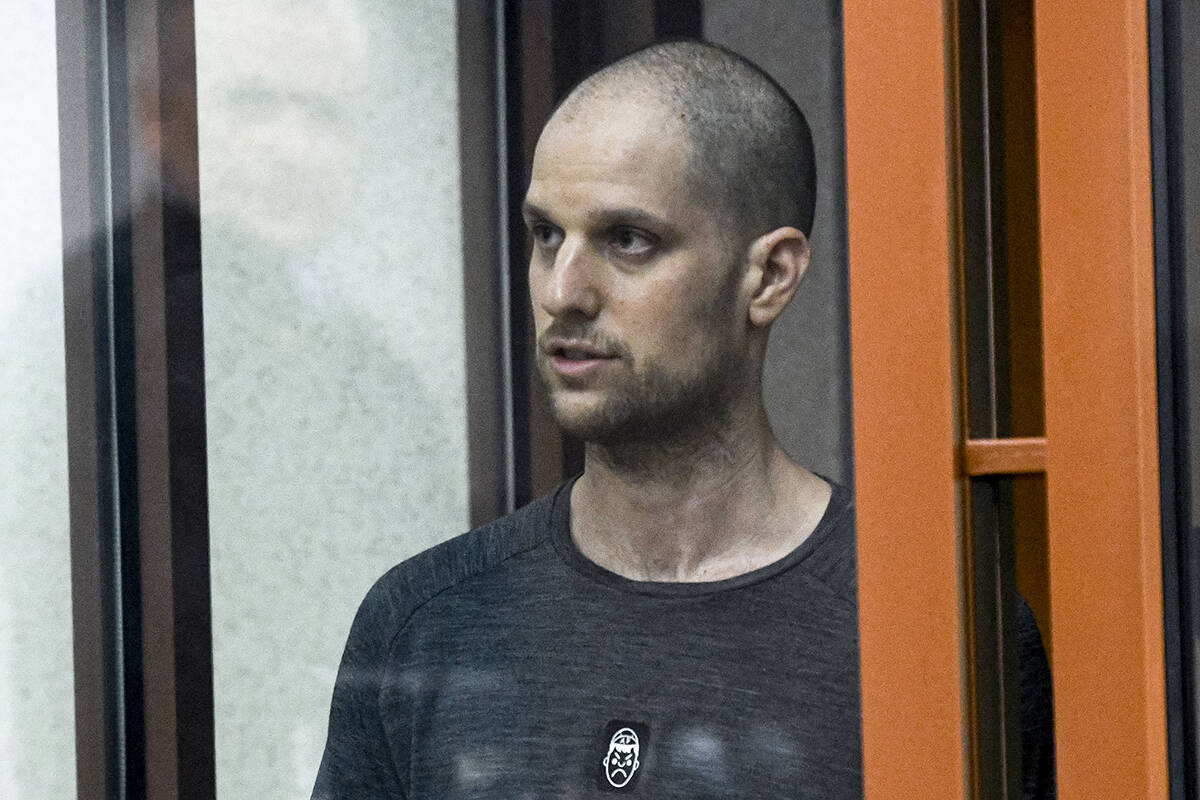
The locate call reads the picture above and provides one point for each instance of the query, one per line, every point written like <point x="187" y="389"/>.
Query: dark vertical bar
<point x="168" y="368"/>
<point x="994" y="690"/>
<point x="1183" y="113"/>
<point x="1002" y="584"/>
<point x="1004" y="631"/>
<point x="1177" y="711"/>
<point x="1167" y="137"/>
<point x="521" y="48"/>
<point x="135" y="400"/>
<point x="994" y="644"/>
<point x="1016" y="205"/>
<point x="975" y="209"/>
<point x="124" y="393"/>
<point x="984" y="691"/>
<point x="484" y="295"/>
<point x="90" y="447"/>
<point x="1021" y="381"/>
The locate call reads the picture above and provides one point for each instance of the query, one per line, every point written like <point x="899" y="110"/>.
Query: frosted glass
<point x="37" y="709"/>
<point x="333" y="296"/>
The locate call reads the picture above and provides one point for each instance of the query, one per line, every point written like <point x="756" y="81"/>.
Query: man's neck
<point x="722" y="507"/>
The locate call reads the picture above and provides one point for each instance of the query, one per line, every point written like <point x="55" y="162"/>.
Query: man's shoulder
<point x="404" y="588"/>
<point x="832" y="558"/>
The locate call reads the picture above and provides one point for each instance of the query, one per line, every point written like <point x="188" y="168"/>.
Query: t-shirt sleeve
<point x="358" y="762"/>
<point x="1037" y="710"/>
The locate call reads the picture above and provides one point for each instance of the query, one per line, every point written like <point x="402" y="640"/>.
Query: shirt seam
<point x="454" y="585"/>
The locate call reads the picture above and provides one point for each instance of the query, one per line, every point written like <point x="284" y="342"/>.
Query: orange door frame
<point x="1101" y="408"/>
<point x="905" y="429"/>
<point x="1100" y="450"/>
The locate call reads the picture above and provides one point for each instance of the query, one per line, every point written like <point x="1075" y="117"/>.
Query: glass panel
<point x="37" y="742"/>
<point x="334" y="349"/>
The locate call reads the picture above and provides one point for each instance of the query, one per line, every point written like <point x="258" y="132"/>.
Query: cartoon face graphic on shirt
<point x="622" y="759"/>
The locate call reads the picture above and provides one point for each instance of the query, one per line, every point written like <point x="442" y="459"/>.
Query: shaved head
<point x="750" y="153"/>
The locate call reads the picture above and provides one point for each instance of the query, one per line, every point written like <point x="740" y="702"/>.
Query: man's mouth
<point x="576" y="351"/>
<point x="577" y="358"/>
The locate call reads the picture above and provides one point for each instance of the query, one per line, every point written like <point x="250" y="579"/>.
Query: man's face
<point x="641" y="331"/>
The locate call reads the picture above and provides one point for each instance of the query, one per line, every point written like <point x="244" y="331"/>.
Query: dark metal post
<point x="135" y="385"/>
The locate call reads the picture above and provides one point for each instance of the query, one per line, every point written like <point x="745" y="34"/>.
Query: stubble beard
<point x="657" y="416"/>
<point x="661" y="416"/>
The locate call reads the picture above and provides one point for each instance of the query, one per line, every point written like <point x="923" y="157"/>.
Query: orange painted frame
<point x="1004" y="456"/>
<point x="1101" y="408"/>
<point x="1101" y="423"/>
<point x="905" y="428"/>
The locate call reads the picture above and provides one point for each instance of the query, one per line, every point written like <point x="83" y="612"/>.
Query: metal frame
<point x="490" y="439"/>
<point x="135" y="378"/>
<point x="99" y="684"/>
<point x="1168" y="98"/>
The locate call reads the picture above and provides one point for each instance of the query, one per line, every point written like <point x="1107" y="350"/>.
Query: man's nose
<point x="571" y="283"/>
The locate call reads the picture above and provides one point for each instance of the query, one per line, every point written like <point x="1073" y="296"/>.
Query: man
<point x="681" y="620"/>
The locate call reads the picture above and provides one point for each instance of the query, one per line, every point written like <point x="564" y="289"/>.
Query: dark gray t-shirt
<point x="504" y="664"/>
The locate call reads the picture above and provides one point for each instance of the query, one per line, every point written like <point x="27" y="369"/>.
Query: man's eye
<point x="631" y="241"/>
<point x="545" y="235"/>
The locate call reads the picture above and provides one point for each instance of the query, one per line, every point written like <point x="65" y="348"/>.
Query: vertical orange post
<point x="1101" y="424"/>
<point x="905" y="425"/>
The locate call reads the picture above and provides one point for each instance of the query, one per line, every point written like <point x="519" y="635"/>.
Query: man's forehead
<point x="626" y="149"/>
<point x="615" y="129"/>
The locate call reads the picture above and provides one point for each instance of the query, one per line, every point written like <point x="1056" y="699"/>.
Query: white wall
<point x="333" y="342"/>
<point x="37" y="737"/>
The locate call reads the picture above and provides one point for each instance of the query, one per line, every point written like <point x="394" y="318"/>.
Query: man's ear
<point x="777" y="262"/>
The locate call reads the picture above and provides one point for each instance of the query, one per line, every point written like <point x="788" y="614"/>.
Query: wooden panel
<point x="904" y="414"/>
<point x="1004" y="456"/>
<point x="1102" y="475"/>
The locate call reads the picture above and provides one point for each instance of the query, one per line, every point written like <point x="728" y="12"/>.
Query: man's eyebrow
<point x="630" y="215"/>
<point x="528" y="209"/>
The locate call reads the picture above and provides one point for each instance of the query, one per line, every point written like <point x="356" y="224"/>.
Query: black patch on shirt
<point x="620" y="755"/>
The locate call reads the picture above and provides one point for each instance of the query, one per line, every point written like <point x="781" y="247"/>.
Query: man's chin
<point x="588" y="426"/>
<point x="589" y="418"/>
